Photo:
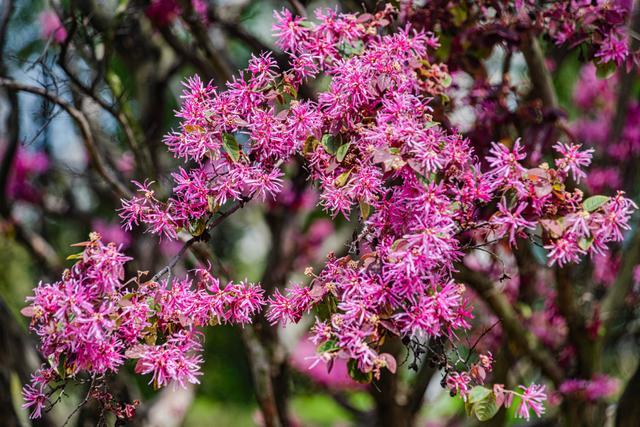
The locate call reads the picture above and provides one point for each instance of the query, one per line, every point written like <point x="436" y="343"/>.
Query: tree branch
<point x="190" y="55"/>
<point x="299" y="8"/>
<point x="260" y="364"/>
<point x="419" y="387"/>
<point x="99" y="164"/>
<point x="615" y="297"/>
<point x="538" y="71"/>
<point x="585" y="347"/>
<point x="12" y="126"/>
<point x="121" y="118"/>
<point x="199" y="31"/>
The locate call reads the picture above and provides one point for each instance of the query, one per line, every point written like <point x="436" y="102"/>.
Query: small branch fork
<point x="200" y="238"/>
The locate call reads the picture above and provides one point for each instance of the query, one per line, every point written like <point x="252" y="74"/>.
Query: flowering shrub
<point x="421" y="197"/>
<point x="92" y="321"/>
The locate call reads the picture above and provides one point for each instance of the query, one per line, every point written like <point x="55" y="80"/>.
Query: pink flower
<point x="51" y="27"/>
<point x="334" y="376"/>
<point x="603" y="178"/>
<point x="163" y="12"/>
<point x="636" y="273"/>
<point x="504" y="161"/>
<point x="35" y="399"/>
<point x="460" y="383"/>
<point x="573" y="159"/>
<point x="532" y="398"/>
<point x="28" y="166"/>
<point x="511" y="222"/>
<point x="599" y="387"/>
<point x="112" y="232"/>
<point x="288" y="30"/>
<point x="614" y="48"/>
<point x="564" y="250"/>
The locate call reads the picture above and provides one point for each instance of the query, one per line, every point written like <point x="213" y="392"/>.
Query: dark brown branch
<point x="615" y="298"/>
<point x="202" y="237"/>
<point x="419" y="387"/>
<point x="567" y="298"/>
<point x="82" y="403"/>
<point x="539" y="73"/>
<point x="38" y="247"/>
<point x="342" y="400"/>
<point x="12" y="125"/>
<point x="199" y="31"/>
<point x="628" y="411"/>
<point x="7" y="11"/>
<point x="120" y="118"/>
<point x="298" y="8"/>
<point x="260" y="363"/>
<point x="85" y="129"/>
<point x="189" y="55"/>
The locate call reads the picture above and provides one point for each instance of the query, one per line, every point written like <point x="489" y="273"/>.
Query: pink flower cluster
<point x="596" y="98"/>
<point x="91" y="321"/>
<point x="164" y="12"/>
<point x="51" y="28"/>
<point x="27" y="167"/>
<point x="462" y="383"/>
<point x="420" y="196"/>
<point x="600" y="387"/>
<point x="602" y="23"/>
<point x="370" y="142"/>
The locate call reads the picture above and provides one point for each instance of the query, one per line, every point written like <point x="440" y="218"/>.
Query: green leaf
<point x="468" y="408"/>
<point x="75" y="256"/>
<point x="329" y="143"/>
<point x="481" y="402"/>
<point x="486" y="409"/>
<point x="212" y="206"/>
<point x="594" y="202"/>
<point x="477" y="394"/>
<point x="230" y="145"/>
<point x="585" y="243"/>
<point x="343" y="178"/>
<point x="198" y="227"/>
<point x="328" y="347"/>
<point x="446" y="80"/>
<point x="342" y="151"/>
<point x="604" y="71"/>
<point x="310" y="144"/>
<point x="459" y="14"/>
<point x="365" y="209"/>
<point x="357" y="374"/>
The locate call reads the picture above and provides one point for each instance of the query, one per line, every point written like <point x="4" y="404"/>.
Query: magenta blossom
<point x="51" y="28"/>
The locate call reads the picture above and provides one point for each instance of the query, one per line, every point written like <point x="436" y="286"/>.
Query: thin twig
<point x="199" y="31"/>
<point x="176" y="258"/>
<point x="299" y="8"/>
<point x="204" y="236"/>
<point x="84" y="402"/>
<point x="119" y="116"/>
<point x="482" y="335"/>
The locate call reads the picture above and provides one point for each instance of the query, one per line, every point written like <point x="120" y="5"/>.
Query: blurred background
<point x="113" y="69"/>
